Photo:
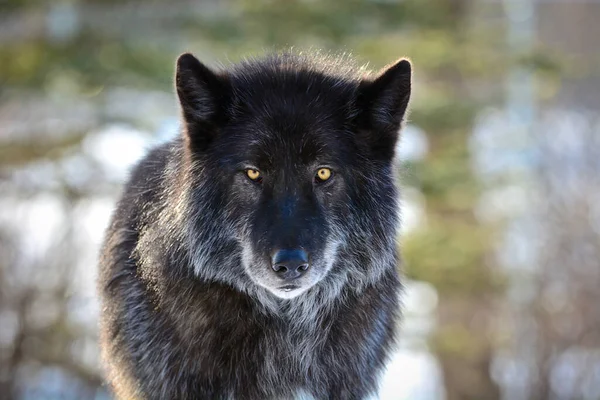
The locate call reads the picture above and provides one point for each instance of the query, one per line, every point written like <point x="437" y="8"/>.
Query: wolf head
<point x="290" y="170"/>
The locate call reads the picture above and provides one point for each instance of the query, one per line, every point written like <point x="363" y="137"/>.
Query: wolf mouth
<point x="289" y="288"/>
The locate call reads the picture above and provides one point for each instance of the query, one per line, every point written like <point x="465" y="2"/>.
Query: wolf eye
<point x="323" y="174"/>
<point x="253" y="175"/>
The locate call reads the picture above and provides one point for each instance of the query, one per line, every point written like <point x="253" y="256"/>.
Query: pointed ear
<point x="383" y="102"/>
<point x="203" y="96"/>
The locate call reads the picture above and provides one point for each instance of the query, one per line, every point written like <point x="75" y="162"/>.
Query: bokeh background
<point x="499" y="164"/>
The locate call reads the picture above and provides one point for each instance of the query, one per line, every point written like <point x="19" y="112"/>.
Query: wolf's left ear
<point x="202" y="95"/>
<point x="382" y="103"/>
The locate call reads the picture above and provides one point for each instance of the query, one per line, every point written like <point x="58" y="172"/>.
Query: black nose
<point x="290" y="264"/>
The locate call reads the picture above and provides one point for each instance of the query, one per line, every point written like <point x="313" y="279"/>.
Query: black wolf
<point x="254" y="257"/>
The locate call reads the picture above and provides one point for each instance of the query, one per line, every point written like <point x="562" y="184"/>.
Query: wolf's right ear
<point x="202" y="95"/>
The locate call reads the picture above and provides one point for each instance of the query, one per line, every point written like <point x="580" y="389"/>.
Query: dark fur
<point x="188" y="310"/>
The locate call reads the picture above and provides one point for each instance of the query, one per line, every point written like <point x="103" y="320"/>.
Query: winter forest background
<point x="500" y="168"/>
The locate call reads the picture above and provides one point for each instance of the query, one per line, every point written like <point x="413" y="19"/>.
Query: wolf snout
<point x="290" y="264"/>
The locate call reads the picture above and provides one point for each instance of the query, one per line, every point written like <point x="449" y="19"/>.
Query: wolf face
<point x="297" y="155"/>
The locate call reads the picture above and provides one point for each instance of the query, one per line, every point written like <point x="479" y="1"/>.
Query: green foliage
<point x="87" y="60"/>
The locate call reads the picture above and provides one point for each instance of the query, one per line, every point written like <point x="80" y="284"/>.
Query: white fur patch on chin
<point x="282" y="294"/>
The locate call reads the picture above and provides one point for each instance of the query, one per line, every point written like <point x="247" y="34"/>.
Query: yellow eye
<point x="323" y="174"/>
<point x="253" y="174"/>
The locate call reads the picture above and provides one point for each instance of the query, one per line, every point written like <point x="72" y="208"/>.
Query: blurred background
<point x="499" y="164"/>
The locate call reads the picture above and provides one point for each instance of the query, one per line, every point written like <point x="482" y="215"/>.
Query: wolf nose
<point x="290" y="264"/>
